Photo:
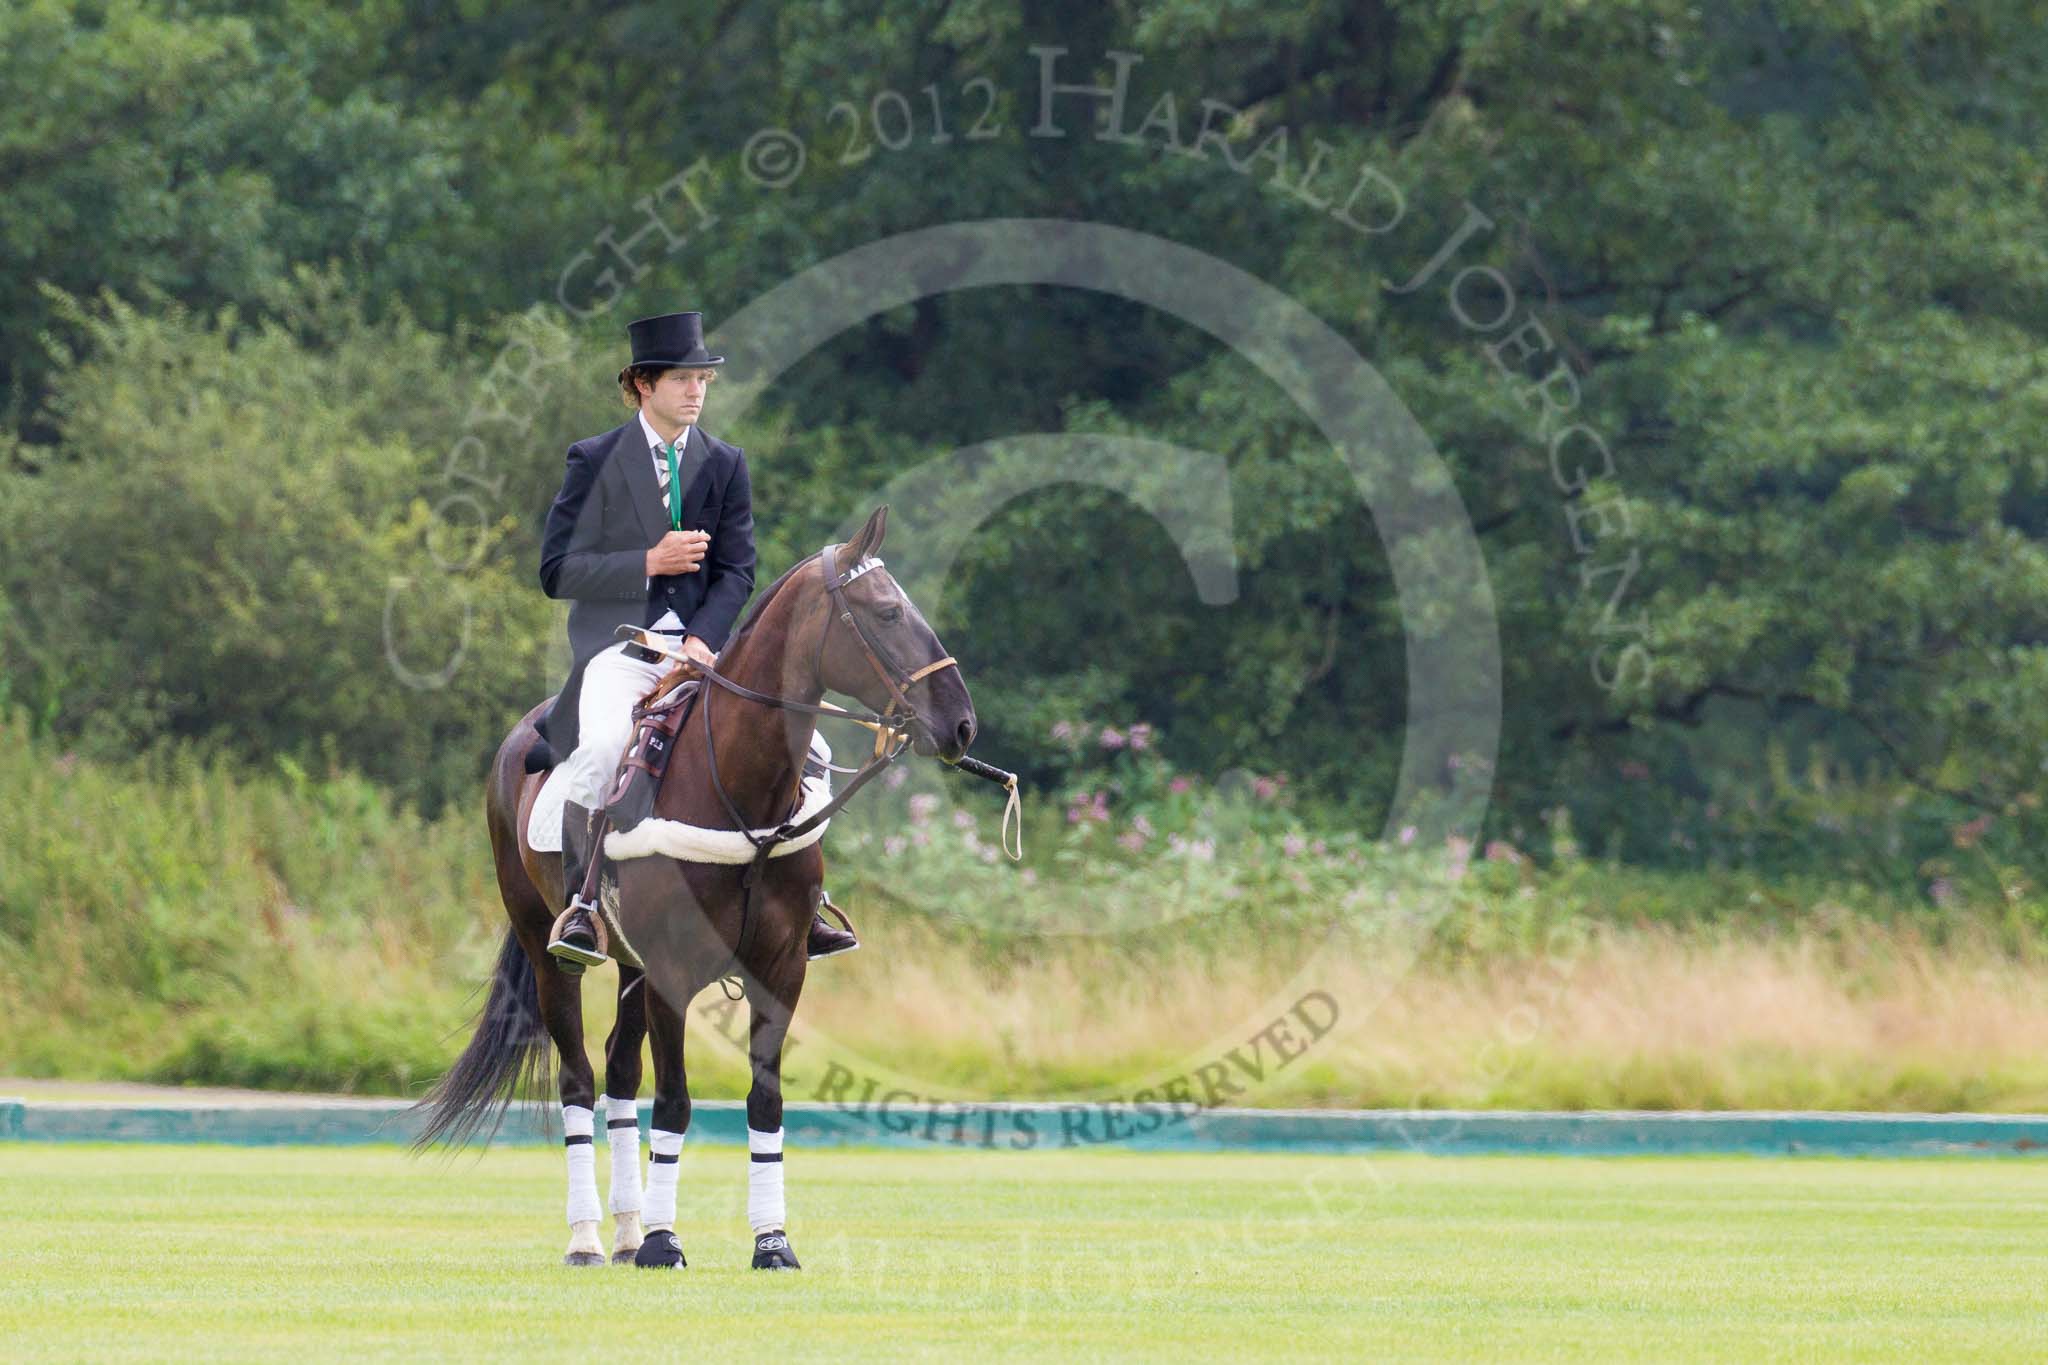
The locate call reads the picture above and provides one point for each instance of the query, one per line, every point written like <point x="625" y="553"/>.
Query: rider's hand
<point x="677" y="552"/>
<point x="695" y="648"/>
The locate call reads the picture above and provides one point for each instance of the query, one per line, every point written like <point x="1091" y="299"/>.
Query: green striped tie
<point x="673" y="491"/>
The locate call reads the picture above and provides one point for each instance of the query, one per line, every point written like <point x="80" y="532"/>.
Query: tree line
<point x="1733" y="348"/>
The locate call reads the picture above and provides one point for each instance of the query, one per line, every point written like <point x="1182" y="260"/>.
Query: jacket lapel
<point x="642" y="489"/>
<point x="696" y="476"/>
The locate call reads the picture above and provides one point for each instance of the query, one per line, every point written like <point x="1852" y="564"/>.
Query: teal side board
<point x="1053" y="1127"/>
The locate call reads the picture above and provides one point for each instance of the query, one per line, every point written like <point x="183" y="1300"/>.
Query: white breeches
<point x="612" y="685"/>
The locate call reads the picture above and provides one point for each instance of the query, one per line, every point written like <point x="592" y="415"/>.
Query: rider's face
<point x="676" y="399"/>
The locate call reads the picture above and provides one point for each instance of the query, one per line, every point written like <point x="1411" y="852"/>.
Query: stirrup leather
<point x="825" y="903"/>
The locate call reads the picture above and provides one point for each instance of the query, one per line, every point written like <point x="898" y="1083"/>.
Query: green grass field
<point x="239" y="1253"/>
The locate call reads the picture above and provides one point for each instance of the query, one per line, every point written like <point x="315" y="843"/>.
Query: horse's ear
<point x="868" y="540"/>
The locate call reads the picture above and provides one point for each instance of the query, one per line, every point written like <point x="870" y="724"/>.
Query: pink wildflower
<point x="1179" y="785"/>
<point x="1294" y="845"/>
<point x="1087" y="806"/>
<point x="921" y="807"/>
<point x="1132" y="840"/>
<point x="1141" y="736"/>
<point x="1063" y="730"/>
<point x="1113" y="738"/>
<point x="1461" y="852"/>
<point x="1407" y="835"/>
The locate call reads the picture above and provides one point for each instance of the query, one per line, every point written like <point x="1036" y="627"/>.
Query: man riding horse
<point x="661" y="499"/>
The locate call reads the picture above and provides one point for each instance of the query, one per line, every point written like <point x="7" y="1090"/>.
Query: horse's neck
<point x="760" y="748"/>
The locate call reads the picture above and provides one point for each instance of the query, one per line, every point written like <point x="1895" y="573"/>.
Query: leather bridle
<point x="835" y="591"/>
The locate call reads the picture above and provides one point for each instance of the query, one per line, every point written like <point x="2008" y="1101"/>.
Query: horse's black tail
<point x="509" y="1052"/>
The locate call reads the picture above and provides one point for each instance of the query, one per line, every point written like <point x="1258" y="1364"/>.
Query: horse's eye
<point x="890" y="615"/>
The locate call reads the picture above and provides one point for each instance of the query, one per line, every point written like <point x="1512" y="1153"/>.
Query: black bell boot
<point x="771" y="1252"/>
<point x="578" y="943"/>
<point x="661" y="1251"/>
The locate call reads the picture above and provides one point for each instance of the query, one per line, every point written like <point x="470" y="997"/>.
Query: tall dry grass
<point x="1659" y="1018"/>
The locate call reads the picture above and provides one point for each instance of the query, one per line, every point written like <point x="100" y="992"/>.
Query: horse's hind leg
<point x="662" y="1249"/>
<point x="561" y="1007"/>
<point x="622" y="1112"/>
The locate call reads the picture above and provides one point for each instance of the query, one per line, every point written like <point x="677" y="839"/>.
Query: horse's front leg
<point x="662" y="1249"/>
<point x="771" y="1005"/>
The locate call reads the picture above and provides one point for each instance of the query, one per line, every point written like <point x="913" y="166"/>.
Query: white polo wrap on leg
<point x="622" y="1132"/>
<point x="576" y="1129"/>
<point x="667" y="1150"/>
<point x="764" y="1181"/>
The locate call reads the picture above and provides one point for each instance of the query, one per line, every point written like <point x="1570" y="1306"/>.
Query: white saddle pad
<point x="544" y="821"/>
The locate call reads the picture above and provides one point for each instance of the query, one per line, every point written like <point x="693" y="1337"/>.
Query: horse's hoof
<point x="625" y="1255"/>
<point x="661" y="1251"/>
<point x="771" y="1252"/>
<point x="584" y="1258"/>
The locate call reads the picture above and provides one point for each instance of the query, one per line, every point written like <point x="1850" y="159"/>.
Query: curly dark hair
<point x="631" y="390"/>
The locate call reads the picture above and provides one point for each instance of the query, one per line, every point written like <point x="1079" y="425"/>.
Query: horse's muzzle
<point x="926" y="744"/>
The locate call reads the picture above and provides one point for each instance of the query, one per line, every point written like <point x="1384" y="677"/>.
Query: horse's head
<point x="890" y="647"/>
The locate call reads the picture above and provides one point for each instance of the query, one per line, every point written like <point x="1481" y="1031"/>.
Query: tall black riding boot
<point x="576" y="943"/>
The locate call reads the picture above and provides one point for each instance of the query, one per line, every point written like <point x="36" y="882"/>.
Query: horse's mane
<point x="753" y="615"/>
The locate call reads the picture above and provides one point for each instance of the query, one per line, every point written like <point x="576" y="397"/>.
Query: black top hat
<point x="670" y="339"/>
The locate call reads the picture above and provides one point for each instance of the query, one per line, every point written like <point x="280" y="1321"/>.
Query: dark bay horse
<point x="689" y="921"/>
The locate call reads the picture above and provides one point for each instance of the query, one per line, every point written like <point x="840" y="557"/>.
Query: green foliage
<point x="240" y="536"/>
<point x="151" y="146"/>
<point x="1788" y="257"/>
<point x="179" y="920"/>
